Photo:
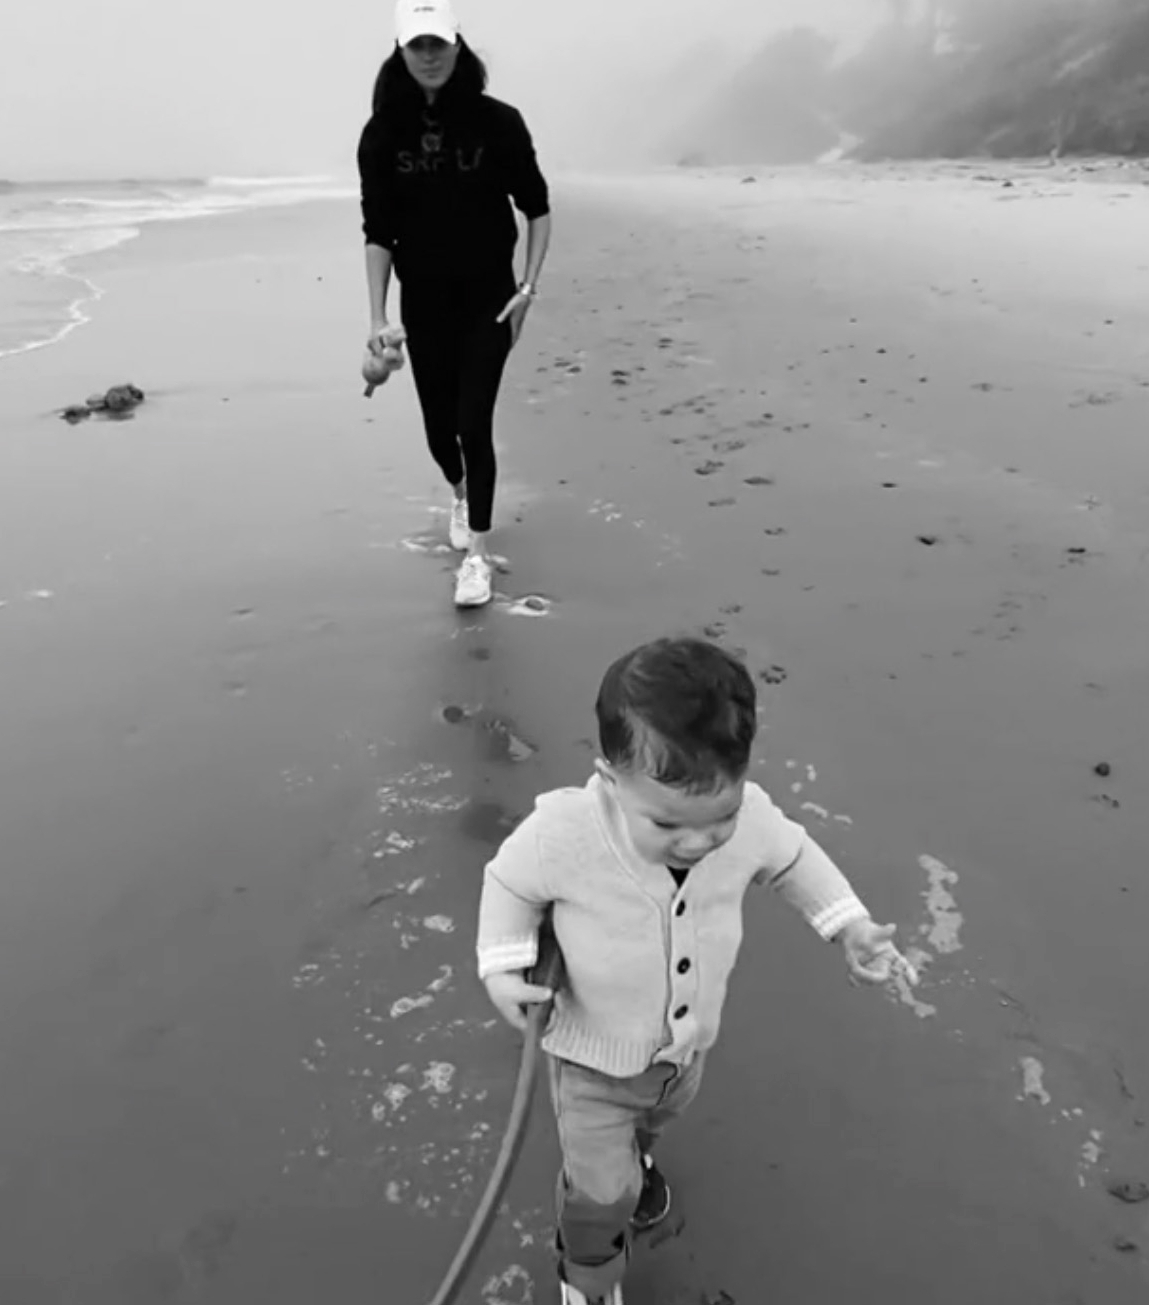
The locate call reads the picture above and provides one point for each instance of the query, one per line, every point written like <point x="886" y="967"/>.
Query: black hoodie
<point x="437" y="192"/>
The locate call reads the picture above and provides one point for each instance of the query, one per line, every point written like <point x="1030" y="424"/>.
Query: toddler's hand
<point x="871" y="954"/>
<point x="511" y="992"/>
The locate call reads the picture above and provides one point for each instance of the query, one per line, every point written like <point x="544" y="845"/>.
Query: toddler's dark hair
<point x="681" y="711"/>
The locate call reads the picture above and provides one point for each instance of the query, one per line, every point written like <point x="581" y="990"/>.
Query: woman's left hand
<point x="516" y="313"/>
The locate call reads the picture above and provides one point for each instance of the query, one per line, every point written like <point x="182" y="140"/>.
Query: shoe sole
<point x="647" y="1225"/>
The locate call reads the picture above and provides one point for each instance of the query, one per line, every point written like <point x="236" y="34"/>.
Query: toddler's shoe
<point x="654" y="1202"/>
<point x="572" y="1296"/>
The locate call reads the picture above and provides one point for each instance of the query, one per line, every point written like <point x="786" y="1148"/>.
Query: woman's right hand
<point x="379" y="327"/>
<point x="510" y="993"/>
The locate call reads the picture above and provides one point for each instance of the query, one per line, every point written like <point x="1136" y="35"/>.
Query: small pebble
<point x="1103" y="768"/>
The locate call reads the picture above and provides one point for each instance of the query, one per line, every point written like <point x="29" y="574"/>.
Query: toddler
<point x="642" y="873"/>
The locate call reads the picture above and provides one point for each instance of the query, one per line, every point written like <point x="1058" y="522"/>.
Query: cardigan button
<point x="684" y="965"/>
<point x="681" y="1012"/>
<point x="680" y="909"/>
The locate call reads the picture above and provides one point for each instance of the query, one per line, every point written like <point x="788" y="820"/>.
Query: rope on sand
<point x="547" y="975"/>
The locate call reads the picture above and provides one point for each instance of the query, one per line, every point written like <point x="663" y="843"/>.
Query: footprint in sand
<point x="425" y="543"/>
<point x="758" y="481"/>
<point x="1075" y="556"/>
<point x="504" y="743"/>
<point x="773" y="674"/>
<point x="487" y="822"/>
<point x="1096" y="399"/>
<point x="528" y="605"/>
<point x="205" y="1248"/>
<point x="708" y="468"/>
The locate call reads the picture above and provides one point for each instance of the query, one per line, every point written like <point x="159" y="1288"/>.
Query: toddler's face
<point x="668" y="826"/>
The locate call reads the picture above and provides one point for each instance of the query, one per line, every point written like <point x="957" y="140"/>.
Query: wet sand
<point x="883" y="431"/>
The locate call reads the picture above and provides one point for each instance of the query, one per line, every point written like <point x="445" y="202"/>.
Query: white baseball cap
<point x="416" y="18"/>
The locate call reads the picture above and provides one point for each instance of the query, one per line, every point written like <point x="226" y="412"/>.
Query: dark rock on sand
<point x="1130" y="1190"/>
<point x="115" y="402"/>
<point x="120" y="398"/>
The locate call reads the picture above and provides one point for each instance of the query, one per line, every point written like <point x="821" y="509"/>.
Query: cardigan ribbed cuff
<point x="508" y="955"/>
<point x="830" y="922"/>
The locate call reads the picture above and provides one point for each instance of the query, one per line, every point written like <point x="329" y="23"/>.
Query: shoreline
<point x="45" y="250"/>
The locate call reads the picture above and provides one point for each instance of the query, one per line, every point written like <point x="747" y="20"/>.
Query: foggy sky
<point x="97" y="88"/>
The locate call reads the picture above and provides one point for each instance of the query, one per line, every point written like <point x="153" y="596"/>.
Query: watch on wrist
<point x="528" y="288"/>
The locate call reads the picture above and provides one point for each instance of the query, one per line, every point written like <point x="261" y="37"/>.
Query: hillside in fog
<point x="772" y="109"/>
<point x="941" y="78"/>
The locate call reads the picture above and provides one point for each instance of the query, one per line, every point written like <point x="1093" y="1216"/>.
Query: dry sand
<point x="882" y="429"/>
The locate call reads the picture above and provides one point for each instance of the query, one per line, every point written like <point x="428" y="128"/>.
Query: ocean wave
<point x="77" y="209"/>
<point x="46" y="226"/>
<point x="49" y="256"/>
<point x="86" y="201"/>
<point x="46" y="300"/>
<point x="77" y="184"/>
<point x="257" y="182"/>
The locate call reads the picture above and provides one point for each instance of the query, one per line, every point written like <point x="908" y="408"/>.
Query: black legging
<point x="458" y="352"/>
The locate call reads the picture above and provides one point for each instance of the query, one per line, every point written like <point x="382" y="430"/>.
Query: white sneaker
<point x="460" y="530"/>
<point x="572" y="1296"/>
<point x="473" y="584"/>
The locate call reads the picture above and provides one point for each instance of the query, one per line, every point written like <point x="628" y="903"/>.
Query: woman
<point x="440" y="163"/>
